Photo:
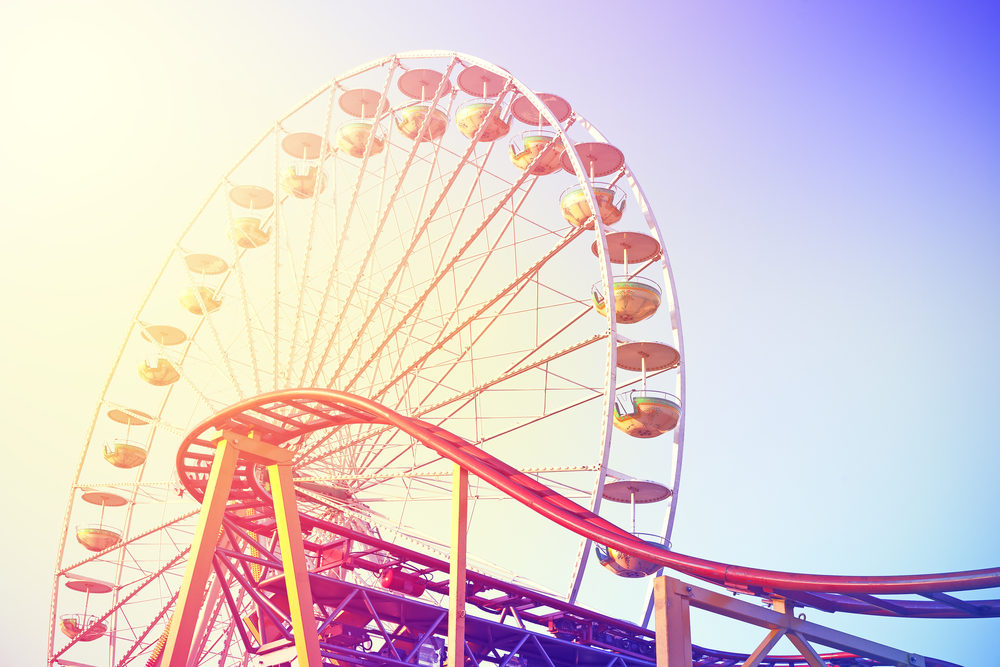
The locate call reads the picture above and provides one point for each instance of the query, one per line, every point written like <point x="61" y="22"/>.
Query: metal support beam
<point x="798" y="630"/>
<point x="199" y="565"/>
<point x="764" y="648"/>
<point x="787" y="607"/>
<point x="673" y="622"/>
<point x="229" y="449"/>
<point x="952" y="601"/>
<point x="293" y="559"/>
<point x="807" y="651"/>
<point x="208" y="612"/>
<point x="456" y="574"/>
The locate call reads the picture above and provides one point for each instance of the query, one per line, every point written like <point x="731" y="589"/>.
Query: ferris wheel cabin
<point x="246" y="230"/>
<point x="646" y="413"/>
<point x="85" y="627"/>
<point x="303" y="178"/>
<point x="426" y="119"/>
<point x="482" y="115"/>
<point x="360" y="138"/>
<point x="539" y="151"/>
<point x="632" y="492"/>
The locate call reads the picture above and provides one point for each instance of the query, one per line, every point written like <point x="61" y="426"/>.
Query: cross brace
<point x="230" y="448"/>
<point x="674" y="598"/>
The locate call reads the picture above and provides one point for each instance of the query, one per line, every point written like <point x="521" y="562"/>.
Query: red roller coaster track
<point x="284" y="418"/>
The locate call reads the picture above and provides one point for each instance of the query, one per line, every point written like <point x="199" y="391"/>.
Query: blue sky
<point x="825" y="174"/>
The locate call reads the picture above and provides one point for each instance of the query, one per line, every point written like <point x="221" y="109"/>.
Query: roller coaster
<point x="284" y="419"/>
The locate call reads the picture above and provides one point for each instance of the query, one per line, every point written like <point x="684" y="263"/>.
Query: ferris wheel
<point x="428" y="232"/>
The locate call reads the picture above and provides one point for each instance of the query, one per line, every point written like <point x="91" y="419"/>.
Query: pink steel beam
<point x="349" y="408"/>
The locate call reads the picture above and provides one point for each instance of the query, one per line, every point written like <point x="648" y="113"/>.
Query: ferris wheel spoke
<point x="373" y="454"/>
<point x="408" y="253"/>
<point x="538" y="345"/>
<point x="390" y="282"/>
<point x="206" y="401"/>
<point x="313" y="217"/>
<point x="219" y="597"/>
<point x="485" y="328"/>
<point x="130" y="651"/>
<point x="518" y="281"/>
<point x="227" y="363"/>
<point x="383" y="217"/>
<point x="596" y="395"/>
<point x="248" y="328"/>
<point x="224" y="370"/>
<point x="513" y="371"/>
<point x="208" y="318"/>
<point x="405" y="342"/>
<point x="231" y="631"/>
<point x="452" y="313"/>
<point x="127" y="542"/>
<point x="367" y="453"/>
<point x="353" y="212"/>
<point x="441" y="273"/>
<point x="447" y="269"/>
<point x="414" y="315"/>
<point x="567" y="380"/>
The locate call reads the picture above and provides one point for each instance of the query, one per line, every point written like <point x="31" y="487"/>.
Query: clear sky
<point x="825" y="174"/>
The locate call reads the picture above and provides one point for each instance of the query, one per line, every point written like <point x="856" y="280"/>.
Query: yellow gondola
<point x="160" y="375"/>
<point x="196" y="296"/>
<point x="352" y="139"/>
<point x="646" y="413"/>
<point x="576" y="209"/>
<point x="82" y="627"/>
<point x="473" y="115"/>
<point x="636" y="299"/>
<point x="302" y="182"/>
<point x="124" y="454"/>
<point x="410" y="119"/>
<point x="624" y="564"/>
<point x="247" y="233"/>
<point x="97" y="538"/>
<point x="531" y="146"/>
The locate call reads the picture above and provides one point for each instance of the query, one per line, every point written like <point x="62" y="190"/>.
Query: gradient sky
<point x="826" y="175"/>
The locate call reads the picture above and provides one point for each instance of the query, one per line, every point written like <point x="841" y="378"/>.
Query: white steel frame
<point x="217" y="350"/>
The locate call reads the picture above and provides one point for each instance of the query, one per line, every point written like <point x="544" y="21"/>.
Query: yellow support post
<point x="293" y="559"/>
<point x="456" y="574"/>
<point x="199" y="565"/>
<point x="673" y="622"/>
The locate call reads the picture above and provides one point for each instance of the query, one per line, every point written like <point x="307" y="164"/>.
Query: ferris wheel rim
<point x="179" y="250"/>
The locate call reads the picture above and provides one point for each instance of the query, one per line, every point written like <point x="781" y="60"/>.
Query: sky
<point x="824" y="174"/>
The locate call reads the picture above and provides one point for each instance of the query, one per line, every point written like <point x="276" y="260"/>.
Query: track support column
<point x="199" y="565"/>
<point x="456" y="574"/>
<point x="229" y="450"/>
<point x="673" y="622"/>
<point x="293" y="559"/>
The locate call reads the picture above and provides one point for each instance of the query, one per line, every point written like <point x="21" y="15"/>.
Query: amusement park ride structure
<point x="416" y="288"/>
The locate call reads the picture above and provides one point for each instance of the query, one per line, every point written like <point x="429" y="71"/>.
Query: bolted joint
<point x="252" y="449"/>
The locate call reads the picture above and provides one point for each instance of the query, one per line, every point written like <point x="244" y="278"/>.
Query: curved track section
<point x="286" y="418"/>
